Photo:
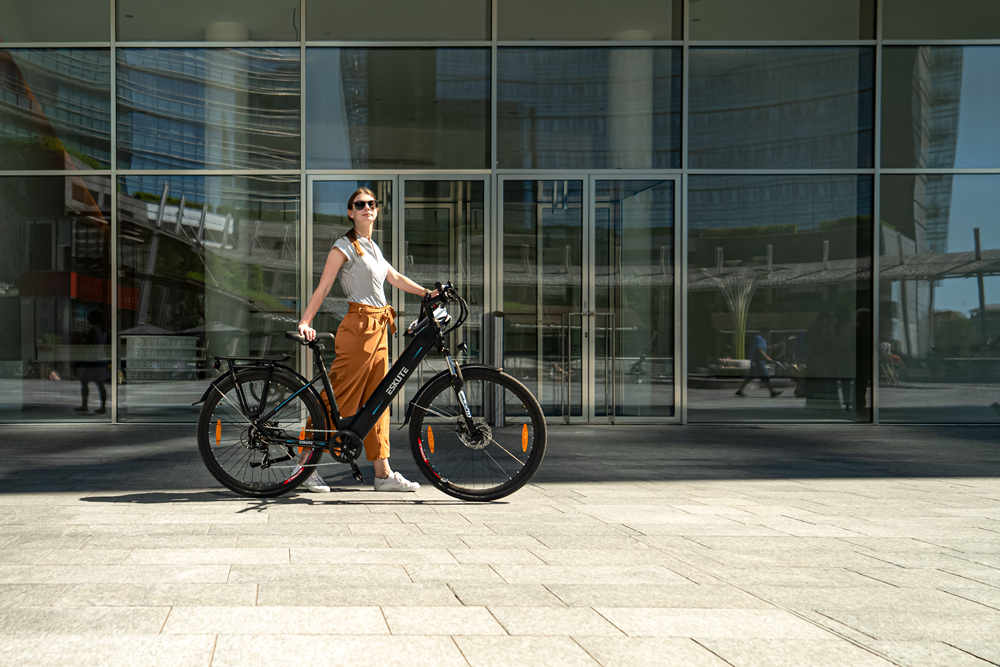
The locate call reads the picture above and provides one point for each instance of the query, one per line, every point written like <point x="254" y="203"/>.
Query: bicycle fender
<point x="426" y="385"/>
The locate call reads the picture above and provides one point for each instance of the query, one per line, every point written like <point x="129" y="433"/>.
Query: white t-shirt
<point x="363" y="277"/>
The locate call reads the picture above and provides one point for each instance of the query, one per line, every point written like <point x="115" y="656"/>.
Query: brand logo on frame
<point x="400" y="376"/>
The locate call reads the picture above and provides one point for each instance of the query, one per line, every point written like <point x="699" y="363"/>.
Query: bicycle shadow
<point x="260" y="504"/>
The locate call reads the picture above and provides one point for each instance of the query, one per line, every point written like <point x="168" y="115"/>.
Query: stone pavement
<point x="788" y="545"/>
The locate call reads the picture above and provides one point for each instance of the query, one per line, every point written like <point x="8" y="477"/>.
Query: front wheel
<point x="493" y="458"/>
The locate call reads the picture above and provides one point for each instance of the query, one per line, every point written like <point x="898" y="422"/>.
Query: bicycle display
<point x="476" y="433"/>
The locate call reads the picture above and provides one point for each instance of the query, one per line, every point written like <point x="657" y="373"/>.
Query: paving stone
<point x="922" y="577"/>
<point x="458" y="573"/>
<point x="790" y="576"/>
<point x="651" y="651"/>
<point x="441" y="621"/>
<point x="504" y="651"/>
<point x="319" y="573"/>
<point x="306" y="593"/>
<point x="498" y="556"/>
<point x="273" y="620"/>
<point x="82" y="620"/>
<point x="111" y="651"/>
<point x="925" y="654"/>
<point x="31" y="595"/>
<point x="266" y="557"/>
<point x="114" y="574"/>
<point x="372" y="556"/>
<point x="568" y="574"/>
<point x="909" y="625"/>
<point x="987" y="649"/>
<point x="268" y="650"/>
<point x="734" y="623"/>
<point x="654" y="595"/>
<point x="788" y="652"/>
<point x="864" y="597"/>
<point x="984" y="595"/>
<point x="554" y="621"/>
<point x="138" y="595"/>
<point x="510" y="595"/>
<point x="507" y="541"/>
<point x="29" y="556"/>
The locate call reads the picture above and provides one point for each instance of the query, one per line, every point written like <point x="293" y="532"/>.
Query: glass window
<point x="781" y="108"/>
<point x="779" y="298"/>
<point x="208" y="108"/>
<point x="589" y="19"/>
<point x="782" y="19"/>
<point x="208" y="20"/>
<point x="589" y="108"/>
<point x="939" y="311"/>
<point x="940" y="106"/>
<point x="32" y="21"/>
<point x="940" y="19"/>
<point x="398" y="108"/>
<point x="55" y="296"/>
<point x="55" y="108"/>
<point x="387" y="20"/>
<point x="209" y="266"/>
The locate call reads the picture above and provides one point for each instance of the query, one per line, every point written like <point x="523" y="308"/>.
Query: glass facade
<point x="779" y="297"/>
<point x="55" y="109"/>
<point x="55" y="291"/>
<point x="660" y="211"/>
<point x="596" y="108"/>
<point x="398" y="108"/>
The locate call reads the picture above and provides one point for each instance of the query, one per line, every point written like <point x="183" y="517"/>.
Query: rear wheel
<point x="260" y="461"/>
<point x="494" y="458"/>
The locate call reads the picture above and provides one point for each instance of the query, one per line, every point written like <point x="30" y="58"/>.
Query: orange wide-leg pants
<point x="362" y="361"/>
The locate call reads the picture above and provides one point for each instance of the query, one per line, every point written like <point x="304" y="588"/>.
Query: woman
<point x="361" y="343"/>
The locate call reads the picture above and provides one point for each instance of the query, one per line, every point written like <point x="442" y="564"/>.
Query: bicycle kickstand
<point x="356" y="472"/>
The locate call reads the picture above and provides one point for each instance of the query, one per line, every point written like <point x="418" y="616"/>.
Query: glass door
<point x="629" y="334"/>
<point x="431" y="228"/>
<point x="542" y="236"/>
<point x="328" y="219"/>
<point x="443" y="238"/>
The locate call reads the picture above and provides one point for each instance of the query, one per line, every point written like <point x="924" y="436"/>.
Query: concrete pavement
<point x="787" y="545"/>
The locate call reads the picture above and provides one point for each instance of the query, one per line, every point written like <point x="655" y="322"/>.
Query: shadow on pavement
<point x="142" y="458"/>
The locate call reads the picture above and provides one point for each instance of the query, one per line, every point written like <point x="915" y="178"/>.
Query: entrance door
<point x="431" y="228"/>
<point x="590" y="293"/>
<point x="635" y="295"/>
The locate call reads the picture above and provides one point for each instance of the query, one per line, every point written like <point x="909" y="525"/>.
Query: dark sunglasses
<point x="360" y="205"/>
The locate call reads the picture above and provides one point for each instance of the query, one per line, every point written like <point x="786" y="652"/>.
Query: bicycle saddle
<point x="301" y="340"/>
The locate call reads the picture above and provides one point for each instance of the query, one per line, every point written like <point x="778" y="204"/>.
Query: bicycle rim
<point x="498" y="456"/>
<point x="252" y="465"/>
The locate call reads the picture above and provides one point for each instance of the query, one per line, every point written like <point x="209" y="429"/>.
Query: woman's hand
<point x="307" y="331"/>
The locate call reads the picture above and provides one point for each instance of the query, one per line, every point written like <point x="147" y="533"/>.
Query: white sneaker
<point x="316" y="484"/>
<point x="395" y="482"/>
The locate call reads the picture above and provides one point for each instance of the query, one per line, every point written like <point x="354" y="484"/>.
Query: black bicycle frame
<point x="364" y="419"/>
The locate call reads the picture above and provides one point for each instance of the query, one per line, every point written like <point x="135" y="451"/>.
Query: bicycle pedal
<point x="356" y="472"/>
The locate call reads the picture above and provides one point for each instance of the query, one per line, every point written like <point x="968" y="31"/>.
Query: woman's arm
<point x="399" y="281"/>
<point x="334" y="261"/>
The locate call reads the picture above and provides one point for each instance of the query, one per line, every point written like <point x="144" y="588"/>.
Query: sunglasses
<point x="360" y="205"/>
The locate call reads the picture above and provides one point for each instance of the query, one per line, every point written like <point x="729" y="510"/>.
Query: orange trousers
<point x="362" y="349"/>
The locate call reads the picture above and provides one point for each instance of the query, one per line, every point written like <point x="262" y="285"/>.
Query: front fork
<point x="458" y="384"/>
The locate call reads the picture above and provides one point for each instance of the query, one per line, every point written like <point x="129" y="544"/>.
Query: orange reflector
<point x="430" y="438"/>
<point x="524" y="438"/>
<point x="218" y="432"/>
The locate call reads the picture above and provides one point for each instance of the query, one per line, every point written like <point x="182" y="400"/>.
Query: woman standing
<point x="361" y="343"/>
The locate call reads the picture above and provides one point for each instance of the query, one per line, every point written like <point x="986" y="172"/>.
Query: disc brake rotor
<point x="479" y="437"/>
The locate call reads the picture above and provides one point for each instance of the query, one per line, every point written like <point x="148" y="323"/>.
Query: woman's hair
<point x="352" y="235"/>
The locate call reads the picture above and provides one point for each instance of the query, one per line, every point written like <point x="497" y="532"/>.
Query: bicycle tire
<point x="465" y="467"/>
<point x="230" y="462"/>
